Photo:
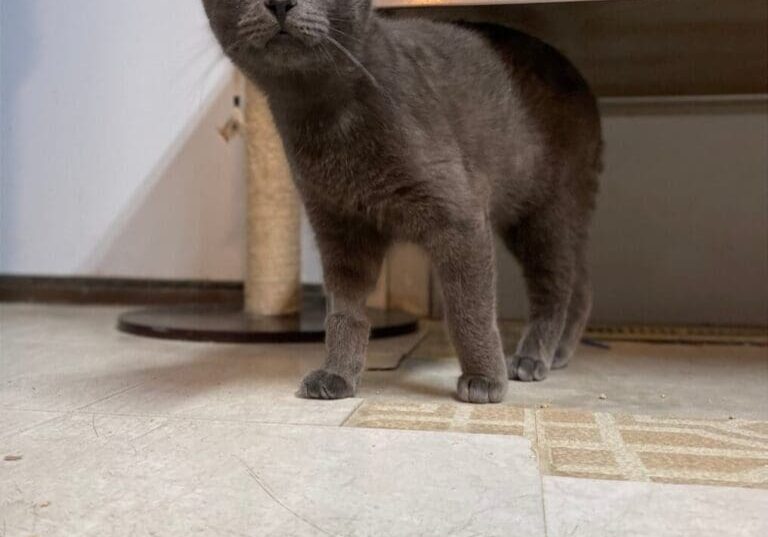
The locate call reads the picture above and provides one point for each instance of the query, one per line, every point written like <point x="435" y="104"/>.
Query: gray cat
<point x="437" y="134"/>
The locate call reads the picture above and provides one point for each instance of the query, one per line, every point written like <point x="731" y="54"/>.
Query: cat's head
<point x="285" y="35"/>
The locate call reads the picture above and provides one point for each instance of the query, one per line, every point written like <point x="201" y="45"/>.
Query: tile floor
<point x="600" y="445"/>
<point x="107" y="434"/>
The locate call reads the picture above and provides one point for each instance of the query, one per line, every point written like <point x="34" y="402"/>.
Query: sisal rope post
<point x="273" y="258"/>
<point x="273" y="255"/>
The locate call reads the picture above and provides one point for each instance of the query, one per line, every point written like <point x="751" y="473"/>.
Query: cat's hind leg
<point x="464" y="259"/>
<point x="579" y="309"/>
<point x="543" y="245"/>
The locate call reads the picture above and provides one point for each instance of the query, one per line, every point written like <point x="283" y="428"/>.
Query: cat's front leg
<point x="464" y="258"/>
<point x="352" y="258"/>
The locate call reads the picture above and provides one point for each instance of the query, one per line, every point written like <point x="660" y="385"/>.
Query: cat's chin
<point x="292" y="41"/>
<point x="286" y="52"/>
<point x="282" y="39"/>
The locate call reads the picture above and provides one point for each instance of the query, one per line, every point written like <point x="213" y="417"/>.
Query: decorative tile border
<point x="599" y="445"/>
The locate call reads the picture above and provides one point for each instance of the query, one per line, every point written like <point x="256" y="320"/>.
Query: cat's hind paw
<point x="526" y="369"/>
<point x="480" y="389"/>
<point x="321" y="384"/>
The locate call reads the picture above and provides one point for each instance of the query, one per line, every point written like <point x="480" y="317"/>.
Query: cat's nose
<point x="280" y="9"/>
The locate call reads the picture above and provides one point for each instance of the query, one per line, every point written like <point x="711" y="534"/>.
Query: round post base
<point x="230" y="324"/>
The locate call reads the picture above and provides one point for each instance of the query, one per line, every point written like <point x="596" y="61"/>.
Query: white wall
<point x="111" y="164"/>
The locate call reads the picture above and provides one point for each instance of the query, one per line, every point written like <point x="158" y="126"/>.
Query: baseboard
<point x="71" y="290"/>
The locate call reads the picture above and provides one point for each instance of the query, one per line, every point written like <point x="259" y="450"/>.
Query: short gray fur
<point x="438" y="134"/>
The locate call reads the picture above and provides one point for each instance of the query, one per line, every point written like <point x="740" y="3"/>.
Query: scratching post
<point x="273" y="309"/>
<point x="273" y="264"/>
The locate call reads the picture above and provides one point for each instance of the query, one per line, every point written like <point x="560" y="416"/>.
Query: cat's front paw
<point x="526" y="369"/>
<point x="480" y="389"/>
<point x="321" y="384"/>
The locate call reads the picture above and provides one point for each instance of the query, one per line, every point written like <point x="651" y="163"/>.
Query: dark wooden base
<point x="230" y="324"/>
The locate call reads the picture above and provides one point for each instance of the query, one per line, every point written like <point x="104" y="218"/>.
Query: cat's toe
<point x="526" y="369"/>
<point x="321" y="384"/>
<point x="560" y="361"/>
<point x="480" y="389"/>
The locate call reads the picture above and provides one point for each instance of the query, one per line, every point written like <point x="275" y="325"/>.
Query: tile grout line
<point x="534" y="434"/>
<point x="351" y="413"/>
<point x="543" y="505"/>
<point x="60" y="414"/>
<point x="405" y="355"/>
<point x="537" y="445"/>
<point x="176" y="417"/>
<point x="110" y="396"/>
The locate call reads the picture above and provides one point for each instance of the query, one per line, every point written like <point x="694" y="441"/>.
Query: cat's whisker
<point x="310" y="18"/>
<point x="344" y="34"/>
<point x="355" y="61"/>
<point x="248" y="19"/>
<point x="248" y="31"/>
<point x="250" y="35"/>
<point x="234" y="47"/>
<point x="331" y="59"/>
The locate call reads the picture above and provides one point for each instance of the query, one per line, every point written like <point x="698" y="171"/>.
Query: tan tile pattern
<point x="600" y="445"/>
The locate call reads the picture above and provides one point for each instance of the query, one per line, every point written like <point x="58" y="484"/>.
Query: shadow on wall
<point x="681" y="227"/>
<point x="188" y="216"/>
<point x="111" y="161"/>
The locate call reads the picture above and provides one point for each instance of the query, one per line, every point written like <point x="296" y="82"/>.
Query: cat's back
<point x="422" y="54"/>
<point x="490" y="59"/>
<point x="451" y="94"/>
<point x="530" y="61"/>
<point x="433" y="39"/>
<point x="511" y="109"/>
<point x="547" y="82"/>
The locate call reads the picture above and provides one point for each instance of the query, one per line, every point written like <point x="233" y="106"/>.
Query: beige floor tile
<point x="95" y="475"/>
<point x="142" y="435"/>
<point x="705" y="381"/>
<point x="594" y="508"/>
<point x="234" y="383"/>
<point x="62" y="358"/>
<point x="387" y="354"/>
<point x="14" y="421"/>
